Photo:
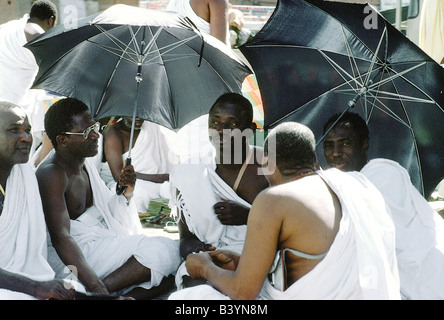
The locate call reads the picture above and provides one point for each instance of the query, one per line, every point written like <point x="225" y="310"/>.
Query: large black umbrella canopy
<point x="128" y="56"/>
<point x="314" y="58"/>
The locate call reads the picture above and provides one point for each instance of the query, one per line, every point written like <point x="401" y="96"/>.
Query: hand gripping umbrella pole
<point x="121" y="189"/>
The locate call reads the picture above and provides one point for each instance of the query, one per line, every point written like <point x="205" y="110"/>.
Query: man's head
<point x="66" y="122"/>
<point x="15" y="135"/>
<point x="44" y="11"/>
<point x="230" y="121"/>
<point x="290" y="147"/>
<point x="346" y="145"/>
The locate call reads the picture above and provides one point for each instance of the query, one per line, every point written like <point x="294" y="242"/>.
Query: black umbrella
<point x="129" y="61"/>
<point x="316" y="58"/>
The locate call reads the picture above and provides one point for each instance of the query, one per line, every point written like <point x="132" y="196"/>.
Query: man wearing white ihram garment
<point x="92" y="228"/>
<point x="24" y="271"/>
<point x="419" y="229"/>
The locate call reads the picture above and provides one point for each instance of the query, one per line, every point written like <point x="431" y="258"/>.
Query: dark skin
<point x="15" y="145"/>
<point x="66" y="194"/>
<point x="228" y="116"/>
<point x="344" y="150"/>
<point x="117" y="142"/>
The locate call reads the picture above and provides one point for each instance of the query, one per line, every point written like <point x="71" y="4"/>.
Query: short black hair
<point x="59" y="117"/>
<point x="43" y="9"/>
<point x="295" y="147"/>
<point x="353" y="120"/>
<point x="239" y="100"/>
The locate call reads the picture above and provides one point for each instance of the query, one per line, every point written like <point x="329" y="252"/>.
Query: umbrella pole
<point x="121" y="189"/>
<point x="351" y="104"/>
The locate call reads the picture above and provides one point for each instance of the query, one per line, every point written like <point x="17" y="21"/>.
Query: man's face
<point x="77" y="144"/>
<point x="128" y="121"/>
<point x="15" y="137"/>
<point x="227" y="126"/>
<point x="343" y="150"/>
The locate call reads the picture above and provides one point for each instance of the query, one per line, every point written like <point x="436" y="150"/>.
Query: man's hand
<point x="230" y="213"/>
<point x="225" y="259"/>
<point x="128" y="178"/>
<point x="196" y="264"/>
<point x="54" y="289"/>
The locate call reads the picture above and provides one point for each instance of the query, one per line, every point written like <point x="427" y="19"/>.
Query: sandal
<point x="171" y="227"/>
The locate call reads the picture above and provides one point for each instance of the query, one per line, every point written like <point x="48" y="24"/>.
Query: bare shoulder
<point x="49" y="174"/>
<point x="113" y="132"/>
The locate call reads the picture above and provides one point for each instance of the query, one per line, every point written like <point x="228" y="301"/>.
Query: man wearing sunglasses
<point x="94" y="232"/>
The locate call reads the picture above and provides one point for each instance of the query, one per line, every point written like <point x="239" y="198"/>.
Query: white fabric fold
<point x="199" y="188"/>
<point x="18" y="67"/>
<point x="419" y="231"/>
<point x="22" y="227"/>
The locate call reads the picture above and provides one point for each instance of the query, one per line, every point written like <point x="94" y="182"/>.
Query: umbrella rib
<point x="391" y="96"/>
<point x="338" y="67"/>
<point x="108" y="83"/>
<point x="352" y="59"/>
<point x="413" y="136"/>
<point x="166" y="49"/>
<point x="375" y="55"/>
<point x="122" y="47"/>
<point x="419" y="89"/>
<point x="397" y="75"/>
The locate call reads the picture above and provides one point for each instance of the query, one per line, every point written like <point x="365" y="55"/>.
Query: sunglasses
<point x="85" y="133"/>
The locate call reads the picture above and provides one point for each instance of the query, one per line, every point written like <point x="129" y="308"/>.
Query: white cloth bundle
<point x="419" y="231"/>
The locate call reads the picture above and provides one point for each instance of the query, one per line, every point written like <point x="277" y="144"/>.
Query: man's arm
<point x="113" y="149"/>
<point x="157" y="177"/>
<point x="53" y="289"/>
<point x="219" y="19"/>
<point x="52" y="186"/>
<point x="254" y="265"/>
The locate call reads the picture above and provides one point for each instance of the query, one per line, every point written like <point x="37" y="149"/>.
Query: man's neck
<point x="5" y="171"/>
<point x="68" y="162"/>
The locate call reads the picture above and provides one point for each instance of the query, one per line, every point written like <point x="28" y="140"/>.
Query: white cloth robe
<point x="419" y="231"/>
<point x="23" y="230"/>
<point x="199" y="189"/>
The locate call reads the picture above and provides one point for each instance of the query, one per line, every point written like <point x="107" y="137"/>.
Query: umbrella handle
<point x="121" y="189"/>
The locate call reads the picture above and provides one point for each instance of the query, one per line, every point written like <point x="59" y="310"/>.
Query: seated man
<point x="151" y="156"/>
<point x="92" y="229"/>
<point x="419" y="229"/>
<point x="24" y="270"/>
<point x="329" y="230"/>
<point x="214" y="198"/>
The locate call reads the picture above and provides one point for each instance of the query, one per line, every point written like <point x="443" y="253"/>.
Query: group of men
<point x="254" y="222"/>
<point x="279" y="228"/>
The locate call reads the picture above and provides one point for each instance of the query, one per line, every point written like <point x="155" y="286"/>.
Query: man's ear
<point x="61" y="140"/>
<point x="365" y="145"/>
